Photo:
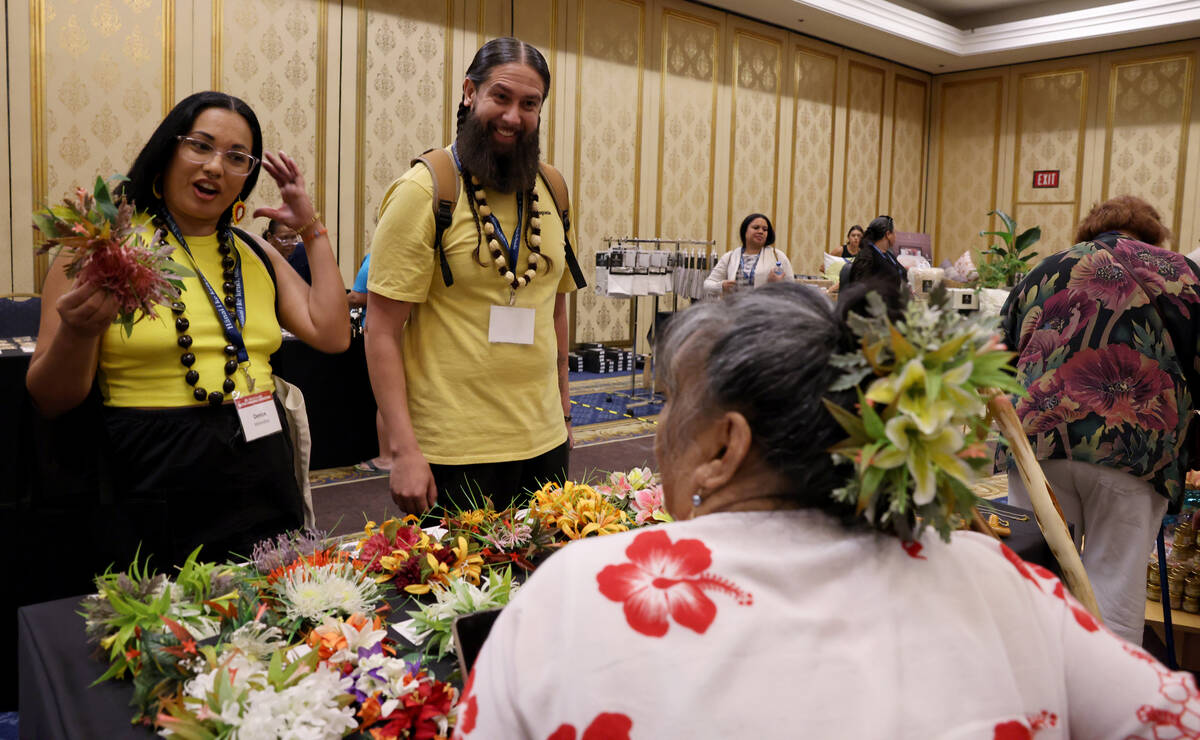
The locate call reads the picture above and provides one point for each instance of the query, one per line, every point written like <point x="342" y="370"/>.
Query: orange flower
<point x="326" y="640"/>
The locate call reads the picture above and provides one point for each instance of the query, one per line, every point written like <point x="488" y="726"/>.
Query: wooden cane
<point x="1049" y="516"/>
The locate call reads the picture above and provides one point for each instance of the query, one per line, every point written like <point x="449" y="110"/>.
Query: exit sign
<point x="1045" y="178"/>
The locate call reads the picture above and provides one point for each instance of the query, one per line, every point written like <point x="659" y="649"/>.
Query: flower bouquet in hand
<point x="918" y="435"/>
<point x="113" y="249"/>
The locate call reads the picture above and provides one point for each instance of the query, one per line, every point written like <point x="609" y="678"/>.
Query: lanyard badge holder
<point x="256" y="411"/>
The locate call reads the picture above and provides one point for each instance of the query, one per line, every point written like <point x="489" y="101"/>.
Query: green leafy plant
<point x="1001" y="265"/>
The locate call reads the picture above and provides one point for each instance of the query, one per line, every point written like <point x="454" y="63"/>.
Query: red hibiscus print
<point x="1045" y="580"/>
<point x="666" y="580"/>
<point x="1123" y="386"/>
<point x="1047" y="405"/>
<point x="1099" y="276"/>
<point x="606" y="726"/>
<point x="1179" y="717"/>
<point x="1039" y="345"/>
<point x="913" y="549"/>
<point x="1027" y="730"/>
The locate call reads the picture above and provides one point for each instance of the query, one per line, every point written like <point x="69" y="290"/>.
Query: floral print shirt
<point x="1105" y="380"/>
<point x="788" y="625"/>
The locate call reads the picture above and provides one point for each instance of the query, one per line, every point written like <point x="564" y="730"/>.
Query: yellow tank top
<point x="143" y="370"/>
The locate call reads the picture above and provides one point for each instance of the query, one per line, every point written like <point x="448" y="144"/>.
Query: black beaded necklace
<point x="231" y="282"/>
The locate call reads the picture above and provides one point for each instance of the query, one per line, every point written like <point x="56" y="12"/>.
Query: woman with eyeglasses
<point x="291" y="246"/>
<point x="174" y="466"/>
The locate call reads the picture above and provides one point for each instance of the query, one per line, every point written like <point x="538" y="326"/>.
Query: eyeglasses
<point x="199" y="151"/>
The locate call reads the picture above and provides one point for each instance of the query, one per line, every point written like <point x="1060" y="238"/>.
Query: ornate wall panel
<point x="864" y="145"/>
<point x="403" y="50"/>
<point x="607" y="148"/>
<point x="969" y="146"/>
<point x="274" y="55"/>
<point x="815" y="97"/>
<point x="907" y="187"/>
<point x="1051" y="120"/>
<point x="754" y="144"/>
<point x="536" y="22"/>
<point x="1149" y="106"/>
<point x="102" y="78"/>
<point x="687" y="126"/>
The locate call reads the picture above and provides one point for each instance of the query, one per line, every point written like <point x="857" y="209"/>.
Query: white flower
<point x="314" y="708"/>
<point x="337" y="588"/>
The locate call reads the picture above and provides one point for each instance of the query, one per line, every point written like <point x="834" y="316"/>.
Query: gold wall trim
<point x="669" y="13"/>
<point x="360" y="131"/>
<point x="1079" y="147"/>
<point x="322" y="98"/>
<point x="924" y="145"/>
<point x="168" y="28"/>
<point x="996" y="129"/>
<point x="448" y="113"/>
<point x="879" y="149"/>
<point x="1188" y="60"/>
<point x="737" y="34"/>
<point x="799" y="50"/>
<point x="216" y="44"/>
<point x="37" y="89"/>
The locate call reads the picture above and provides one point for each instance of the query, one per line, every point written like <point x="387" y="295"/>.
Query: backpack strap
<point x="557" y="185"/>
<point x="266" y="260"/>
<point x="445" y="197"/>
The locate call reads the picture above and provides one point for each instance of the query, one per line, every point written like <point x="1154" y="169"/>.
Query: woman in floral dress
<point x="1107" y="332"/>
<point x="765" y="612"/>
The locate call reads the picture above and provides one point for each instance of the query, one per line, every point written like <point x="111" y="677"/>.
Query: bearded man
<point x="470" y="373"/>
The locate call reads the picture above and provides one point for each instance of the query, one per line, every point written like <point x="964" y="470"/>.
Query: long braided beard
<point x="505" y="172"/>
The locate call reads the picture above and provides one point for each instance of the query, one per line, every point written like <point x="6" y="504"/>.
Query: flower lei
<point x="576" y="510"/>
<point x="401" y="552"/>
<point x="918" y="439"/>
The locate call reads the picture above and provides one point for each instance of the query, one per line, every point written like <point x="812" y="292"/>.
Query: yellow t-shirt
<point x="143" y="369"/>
<point x="471" y="401"/>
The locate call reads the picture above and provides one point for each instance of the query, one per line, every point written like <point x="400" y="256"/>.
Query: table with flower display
<point x="311" y="631"/>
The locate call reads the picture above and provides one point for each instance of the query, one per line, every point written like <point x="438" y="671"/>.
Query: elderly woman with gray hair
<point x="767" y="609"/>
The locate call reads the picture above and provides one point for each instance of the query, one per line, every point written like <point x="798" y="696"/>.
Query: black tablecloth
<point x="55" y="526"/>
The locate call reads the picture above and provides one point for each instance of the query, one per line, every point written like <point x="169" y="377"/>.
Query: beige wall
<point x="668" y="118"/>
<point x="1122" y="122"/>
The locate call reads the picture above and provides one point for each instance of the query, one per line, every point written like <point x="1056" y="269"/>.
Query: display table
<point x="1186" y="628"/>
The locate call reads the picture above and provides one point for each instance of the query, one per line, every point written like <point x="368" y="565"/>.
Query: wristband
<point x="567" y="418"/>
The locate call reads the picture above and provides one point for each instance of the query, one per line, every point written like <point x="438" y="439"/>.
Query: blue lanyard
<point x="742" y="264"/>
<point x="232" y="333"/>
<point x="513" y="249"/>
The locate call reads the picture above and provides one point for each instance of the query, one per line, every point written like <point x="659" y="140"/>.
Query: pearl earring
<point x="696" y="500"/>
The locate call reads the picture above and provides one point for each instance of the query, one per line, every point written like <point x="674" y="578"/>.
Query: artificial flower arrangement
<point x="114" y="248"/>
<point x="917" y="438"/>
<point x="289" y="644"/>
<point x="414" y="561"/>
<point x="294" y="641"/>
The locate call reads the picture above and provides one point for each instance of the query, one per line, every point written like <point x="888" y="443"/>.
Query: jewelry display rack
<point x="639" y="243"/>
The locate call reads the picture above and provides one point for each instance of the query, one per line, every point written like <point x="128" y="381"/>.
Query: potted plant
<point x="1003" y="265"/>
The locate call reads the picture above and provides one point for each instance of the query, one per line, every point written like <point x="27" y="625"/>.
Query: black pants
<point x="506" y="483"/>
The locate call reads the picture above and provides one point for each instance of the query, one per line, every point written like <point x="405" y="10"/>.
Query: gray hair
<point x="764" y="353"/>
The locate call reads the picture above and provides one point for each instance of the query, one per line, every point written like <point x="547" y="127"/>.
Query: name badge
<point x="511" y="325"/>
<point x="258" y="415"/>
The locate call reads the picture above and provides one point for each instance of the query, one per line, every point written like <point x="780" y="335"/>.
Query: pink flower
<point x="1047" y="405"/>
<point x="1099" y="275"/>
<point x="647" y="502"/>
<point x="666" y="580"/>
<point x="1065" y="313"/>
<point x="1123" y="386"/>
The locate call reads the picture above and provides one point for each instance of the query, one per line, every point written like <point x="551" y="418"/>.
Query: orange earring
<point x="239" y="211"/>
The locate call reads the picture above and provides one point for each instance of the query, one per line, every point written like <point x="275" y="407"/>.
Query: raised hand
<point x="297" y="210"/>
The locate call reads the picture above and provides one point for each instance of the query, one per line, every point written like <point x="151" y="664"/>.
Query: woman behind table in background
<point x="763" y="604"/>
<point x="748" y="264"/>
<point x="1112" y="373"/>
<point x="853" y="239"/>
<point x="291" y="246"/>
<point x="876" y="258"/>
<point x="175" y="459"/>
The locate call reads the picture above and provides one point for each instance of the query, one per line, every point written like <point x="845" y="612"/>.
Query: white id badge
<point x="258" y="415"/>
<point x="511" y="325"/>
